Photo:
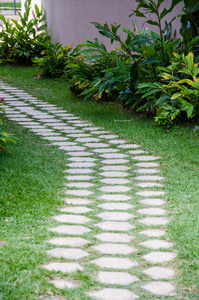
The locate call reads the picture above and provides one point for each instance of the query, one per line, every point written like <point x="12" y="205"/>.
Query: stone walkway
<point x="114" y="219"/>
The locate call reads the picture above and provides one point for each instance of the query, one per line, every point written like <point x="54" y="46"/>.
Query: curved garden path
<point x="114" y="216"/>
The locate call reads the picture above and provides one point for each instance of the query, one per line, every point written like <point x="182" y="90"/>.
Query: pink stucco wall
<point x="70" y="19"/>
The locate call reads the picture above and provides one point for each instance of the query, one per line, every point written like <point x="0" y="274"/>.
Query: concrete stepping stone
<point x="83" y="185"/>
<point x="115" y="189"/>
<point x="113" y="294"/>
<point x="145" y="158"/>
<point x="149" y="184"/>
<point x="80" y="193"/>
<point x="114" y="161"/>
<point x="108" y="136"/>
<point x="92" y="128"/>
<point x="152" y="211"/>
<point x="64" y="267"/>
<point x="150" y="193"/>
<point x="79" y="171"/>
<point x="77" y="121"/>
<point x="76" y="210"/>
<point x="65" y="130"/>
<point x="63" y="143"/>
<point x="20" y="119"/>
<point x="115" y="168"/>
<point x="96" y="145"/>
<point x="120" y="278"/>
<point x="49" y="121"/>
<point x="87" y="140"/>
<point x="77" y="201"/>
<point x="114" y="174"/>
<point x="153" y="232"/>
<point x="47" y="133"/>
<point x="98" y="132"/>
<point x="82" y="159"/>
<point x="146" y="171"/>
<point x="155" y="221"/>
<point x="115" y="197"/>
<point x="68" y="253"/>
<point x="70" y="229"/>
<point x="29" y="124"/>
<point x="117" y="141"/>
<point x="75" y="219"/>
<point x="156" y="244"/>
<point x="56" y="138"/>
<point x="63" y="114"/>
<point x="68" y="118"/>
<point x="115" y="206"/>
<point x="115" y="216"/>
<point x="79" y="135"/>
<point x="63" y="283"/>
<point x="160" y="288"/>
<point x="115" y="181"/>
<point x="106" y="248"/>
<point x="107" y="150"/>
<point x="115" y="226"/>
<point x="160" y="273"/>
<point x="81" y="165"/>
<point x="147" y="164"/>
<point x="68" y="241"/>
<point x="113" y="155"/>
<point x="149" y="178"/>
<point x="79" y="154"/>
<point x="79" y="177"/>
<point x="72" y="148"/>
<point x="159" y="257"/>
<point x="114" y="237"/>
<point x="114" y="263"/>
<point x="129" y="146"/>
<point x="152" y="202"/>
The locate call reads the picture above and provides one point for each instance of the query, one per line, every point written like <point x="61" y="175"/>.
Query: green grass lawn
<point x="31" y="179"/>
<point x="10" y="5"/>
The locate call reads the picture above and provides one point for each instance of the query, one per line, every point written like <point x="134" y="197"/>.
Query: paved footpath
<point x="114" y="217"/>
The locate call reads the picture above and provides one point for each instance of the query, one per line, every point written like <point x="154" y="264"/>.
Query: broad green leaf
<point x="140" y="40"/>
<point x="43" y="27"/>
<point x="190" y="58"/>
<point x="193" y="42"/>
<point x="36" y="9"/>
<point x="151" y="60"/>
<point x="149" y="51"/>
<point x="188" y="81"/>
<point x="176" y="95"/>
<point x="122" y="67"/>
<point x="154" y="23"/>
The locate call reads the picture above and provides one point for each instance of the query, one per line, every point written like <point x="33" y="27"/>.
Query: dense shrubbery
<point x="22" y="41"/>
<point x="150" y="71"/>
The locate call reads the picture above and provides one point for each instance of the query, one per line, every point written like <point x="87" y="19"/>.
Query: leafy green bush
<point x="4" y="136"/>
<point x="24" y="40"/>
<point x="177" y="95"/>
<point x="55" y="59"/>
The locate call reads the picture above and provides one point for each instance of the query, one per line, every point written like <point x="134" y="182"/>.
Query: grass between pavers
<point x="178" y="149"/>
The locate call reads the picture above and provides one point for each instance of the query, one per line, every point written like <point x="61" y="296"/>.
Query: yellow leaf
<point x="190" y="58"/>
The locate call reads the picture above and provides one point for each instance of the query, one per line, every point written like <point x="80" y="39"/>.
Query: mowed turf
<point x="32" y="175"/>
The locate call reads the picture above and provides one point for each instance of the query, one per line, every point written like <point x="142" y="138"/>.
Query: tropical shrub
<point x="177" y="95"/>
<point x="24" y="40"/>
<point x="55" y="59"/>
